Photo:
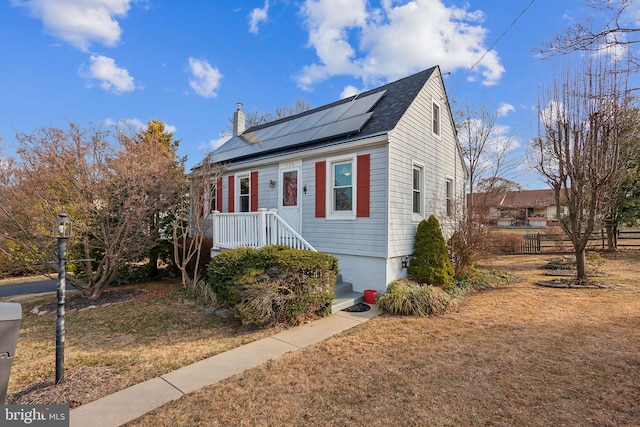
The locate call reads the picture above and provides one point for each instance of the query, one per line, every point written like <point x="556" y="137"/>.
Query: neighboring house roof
<point x="517" y="199"/>
<point x="370" y="113"/>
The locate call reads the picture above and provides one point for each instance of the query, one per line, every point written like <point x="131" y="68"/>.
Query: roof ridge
<point x="341" y="101"/>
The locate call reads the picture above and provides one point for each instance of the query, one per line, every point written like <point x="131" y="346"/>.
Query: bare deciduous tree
<point x="612" y="29"/>
<point x="583" y="149"/>
<point x="255" y="118"/>
<point x="485" y="148"/>
<point x="110" y="182"/>
<point x="190" y="224"/>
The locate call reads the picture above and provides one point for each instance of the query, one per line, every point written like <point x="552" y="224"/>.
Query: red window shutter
<point x="219" y="194"/>
<point x="254" y="192"/>
<point x="231" y="195"/>
<point x="364" y="184"/>
<point x="321" y="189"/>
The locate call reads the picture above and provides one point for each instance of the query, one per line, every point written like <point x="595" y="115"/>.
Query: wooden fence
<point x="538" y="242"/>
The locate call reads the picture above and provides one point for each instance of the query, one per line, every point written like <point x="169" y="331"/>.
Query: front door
<point x="289" y="200"/>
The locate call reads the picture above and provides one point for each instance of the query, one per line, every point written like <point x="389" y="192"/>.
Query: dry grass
<point x="110" y="348"/>
<point x="516" y="355"/>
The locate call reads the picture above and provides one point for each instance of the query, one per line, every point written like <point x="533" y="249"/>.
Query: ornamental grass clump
<point x="430" y="263"/>
<point x="478" y="280"/>
<point x="405" y="297"/>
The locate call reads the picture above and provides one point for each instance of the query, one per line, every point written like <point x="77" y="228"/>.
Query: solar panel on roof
<point x="288" y="127"/>
<point x="310" y="121"/>
<point x="362" y="105"/>
<point x="350" y="125"/>
<point x="268" y="132"/>
<point x="292" y="139"/>
<point x="341" y="119"/>
<point x="334" y="114"/>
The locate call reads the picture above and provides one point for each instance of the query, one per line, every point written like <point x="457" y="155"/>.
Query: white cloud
<point x="349" y="91"/>
<point x="80" y="22"/>
<point x="110" y="77"/>
<point x="170" y="128"/>
<point x="204" y="80"/>
<point x="553" y="112"/>
<point x="258" y="16"/>
<point x="504" y="109"/>
<point x="215" y="143"/>
<point x="615" y="47"/>
<point x="136" y="124"/>
<point x="400" y="37"/>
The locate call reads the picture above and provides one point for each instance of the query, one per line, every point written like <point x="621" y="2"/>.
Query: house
<point x="524" y="208"/>
<point x="352" y="178"/>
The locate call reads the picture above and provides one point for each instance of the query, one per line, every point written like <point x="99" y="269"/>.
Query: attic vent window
<point x="418" y="179"/>
<point x="436" y="119"/>
<point x="449" y="197"/>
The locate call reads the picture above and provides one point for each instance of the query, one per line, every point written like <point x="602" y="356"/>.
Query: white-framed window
<point x="436" y="127"/>
<point x="244" y="193"/>
<point x="449" y="197"/>
<point x="341" y="183"/>
<point x="417" y="189"/>
<point x="213" y="199"/>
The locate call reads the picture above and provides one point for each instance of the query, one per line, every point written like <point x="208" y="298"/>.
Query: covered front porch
<point x="254" y="229"/>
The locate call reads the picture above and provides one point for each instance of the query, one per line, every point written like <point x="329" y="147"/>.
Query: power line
<point x="494" y="43"/>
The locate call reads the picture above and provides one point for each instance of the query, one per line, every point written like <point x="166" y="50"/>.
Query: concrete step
<point x="345" y="296"/>
<point x="346" y="300"/>
<point x="343" y="288"/>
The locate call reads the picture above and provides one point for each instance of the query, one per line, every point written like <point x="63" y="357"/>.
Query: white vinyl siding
<point x="267" y="197"/>
<point x="413" y="142"/>
<point x="348" y="235"/>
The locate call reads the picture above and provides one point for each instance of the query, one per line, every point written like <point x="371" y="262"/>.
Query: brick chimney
<point x="238" y="121"/>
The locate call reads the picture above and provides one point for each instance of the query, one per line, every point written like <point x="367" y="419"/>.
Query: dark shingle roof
<point x="389" y="102"/>
<point x="517" y="199"/>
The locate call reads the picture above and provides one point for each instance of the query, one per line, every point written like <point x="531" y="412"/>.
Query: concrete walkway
<point x="132" y="402"/>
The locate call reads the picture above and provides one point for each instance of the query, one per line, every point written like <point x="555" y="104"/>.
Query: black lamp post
<point x="62" y="231"/>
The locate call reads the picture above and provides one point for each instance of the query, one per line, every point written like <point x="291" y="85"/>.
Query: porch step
<point x="346" y="300"/>
<point x="343" y="288"/>
<point x="345" y="296"/>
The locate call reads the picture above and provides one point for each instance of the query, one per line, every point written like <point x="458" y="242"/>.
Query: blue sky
<point x="187" y="63"/>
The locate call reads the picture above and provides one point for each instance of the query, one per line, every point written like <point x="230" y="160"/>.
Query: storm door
<point x="289" y="197"/>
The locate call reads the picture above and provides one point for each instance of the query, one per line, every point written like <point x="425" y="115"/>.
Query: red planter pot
<point x="370" y="296"/>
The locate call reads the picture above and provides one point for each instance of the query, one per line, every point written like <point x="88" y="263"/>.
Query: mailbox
<point x="10" y="319"/>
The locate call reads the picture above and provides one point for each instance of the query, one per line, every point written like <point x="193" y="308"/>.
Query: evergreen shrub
<point x="430" y="263"/>
<point x="274" y="284"/>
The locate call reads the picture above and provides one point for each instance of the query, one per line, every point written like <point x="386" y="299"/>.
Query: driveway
<point x="35" y="287"/>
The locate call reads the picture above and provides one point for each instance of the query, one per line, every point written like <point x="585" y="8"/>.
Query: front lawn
<point x="138" y="336"/>
<point x="519" y="355"/>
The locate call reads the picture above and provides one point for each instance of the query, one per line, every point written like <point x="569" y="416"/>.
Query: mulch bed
<point x="81" y="381"/>
<point x="573" y="284"/>
<point x="77" y="302"/>
<point x="570" y="273"/>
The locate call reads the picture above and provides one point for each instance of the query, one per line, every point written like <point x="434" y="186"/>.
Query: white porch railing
<point x="254" y="229"/>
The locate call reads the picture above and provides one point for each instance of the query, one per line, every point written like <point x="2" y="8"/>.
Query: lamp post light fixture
<point x="62" y="231"/>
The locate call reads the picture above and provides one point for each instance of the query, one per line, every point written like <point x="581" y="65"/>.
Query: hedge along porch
<point x="352" y="178"/>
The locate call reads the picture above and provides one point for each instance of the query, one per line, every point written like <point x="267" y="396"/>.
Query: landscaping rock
<point x="222" y="313"/>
